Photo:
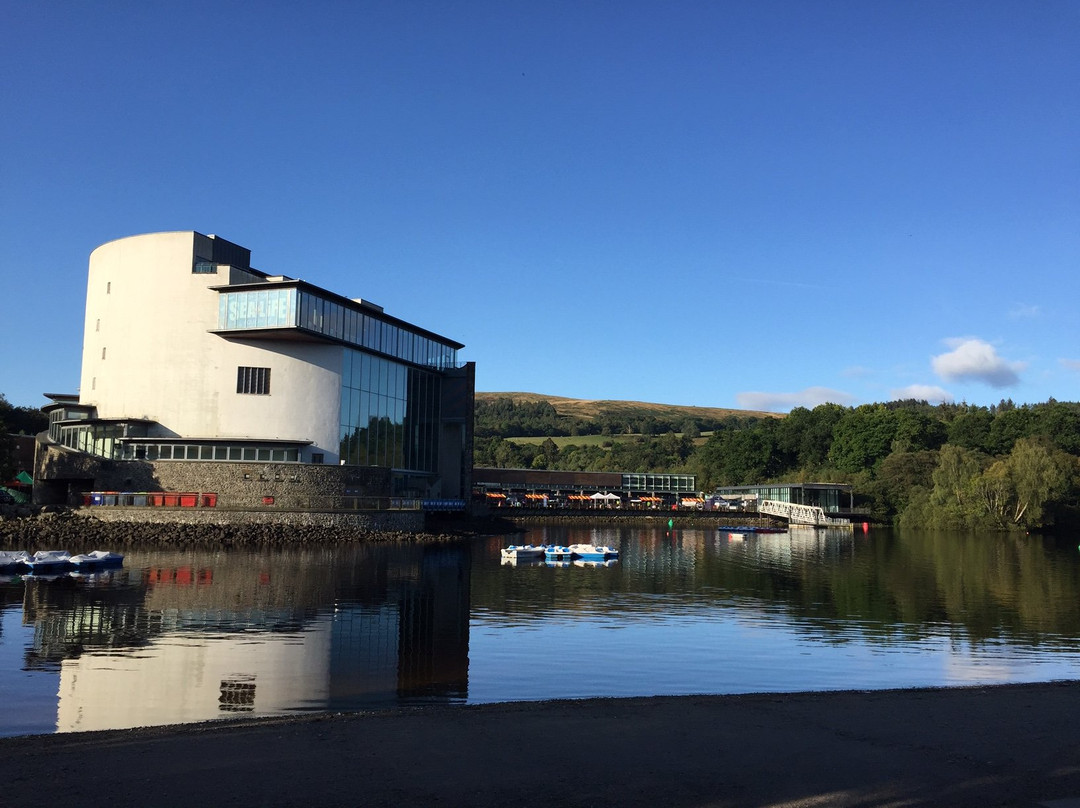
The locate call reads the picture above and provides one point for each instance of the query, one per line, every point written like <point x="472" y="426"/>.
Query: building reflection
<point x="182" y="637"/>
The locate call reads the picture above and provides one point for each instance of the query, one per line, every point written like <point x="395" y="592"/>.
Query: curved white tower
<point x="150" y="350"/>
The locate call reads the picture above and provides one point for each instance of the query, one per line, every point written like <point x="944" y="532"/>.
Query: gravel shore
<point x="982" y="746"/>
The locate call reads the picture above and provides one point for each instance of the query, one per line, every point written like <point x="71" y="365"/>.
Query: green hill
<point x="588" y="410"/>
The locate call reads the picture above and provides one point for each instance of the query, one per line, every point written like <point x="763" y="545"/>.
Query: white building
<point x="190" y="354"/>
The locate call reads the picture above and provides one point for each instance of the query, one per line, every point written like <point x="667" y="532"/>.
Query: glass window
<point x="260" y="308"/>
<point x="351" y="325"/>
<point x="253" y="381"/>
<point x="371" y="333"/>
<point x="346" y="367"/>
<point x="336" y="318"/>
<point x="290" y="307"/>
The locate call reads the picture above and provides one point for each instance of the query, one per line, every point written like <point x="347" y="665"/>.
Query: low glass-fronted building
<point x="830" y="497"/>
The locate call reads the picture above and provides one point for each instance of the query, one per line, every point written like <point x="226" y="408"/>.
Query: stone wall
<point x="370" y="522"/>
<point x="60" y="471"/>
<point x="246" y="485"/>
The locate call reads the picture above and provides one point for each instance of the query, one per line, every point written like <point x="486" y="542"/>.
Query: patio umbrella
<point x="19" y="497"/>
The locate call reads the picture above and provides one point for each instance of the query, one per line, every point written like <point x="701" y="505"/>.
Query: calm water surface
<point x="184" y="636"/>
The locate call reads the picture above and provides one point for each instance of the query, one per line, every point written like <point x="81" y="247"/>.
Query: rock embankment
<point x="64" y="530"/>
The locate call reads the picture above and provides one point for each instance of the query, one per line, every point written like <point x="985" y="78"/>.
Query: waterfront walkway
<point x="987" y="746"/>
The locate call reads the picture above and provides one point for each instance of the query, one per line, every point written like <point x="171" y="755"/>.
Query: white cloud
<point x="975" y="360"/>
<point x="1024" y="311"/>
<point x="857" y="372"/>
<point x="1071" y="364"/>
<point x="922" y="392"/>
<point x="780" y="402"/>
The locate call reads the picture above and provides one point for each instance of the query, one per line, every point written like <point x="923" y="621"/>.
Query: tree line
<point x="1005" y="466"/>
<point x="16" y="421"/>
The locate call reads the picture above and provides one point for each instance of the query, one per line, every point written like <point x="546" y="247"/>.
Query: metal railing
<point x="798" y="514"/>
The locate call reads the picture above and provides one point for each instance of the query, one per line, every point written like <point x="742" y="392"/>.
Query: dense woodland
<point x="16" y="421"/>
<point x="1005" y="466"/>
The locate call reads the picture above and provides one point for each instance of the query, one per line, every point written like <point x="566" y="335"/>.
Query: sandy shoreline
<point x="1004" y="745"/>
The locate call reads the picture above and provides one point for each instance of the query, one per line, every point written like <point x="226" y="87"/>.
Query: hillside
<point x="590" y="410"/>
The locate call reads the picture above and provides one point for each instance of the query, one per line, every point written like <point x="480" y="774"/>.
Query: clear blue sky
<point x="753" y="204"/>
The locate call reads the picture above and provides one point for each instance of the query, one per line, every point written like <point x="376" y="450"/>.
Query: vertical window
<point x="102" y="353"/>
<point x="253" y="381"/>
<point x="97" y="325"/>
<point x="108" y="287"/>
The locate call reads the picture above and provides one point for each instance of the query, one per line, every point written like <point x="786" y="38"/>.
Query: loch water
<point x="195" y="635"/>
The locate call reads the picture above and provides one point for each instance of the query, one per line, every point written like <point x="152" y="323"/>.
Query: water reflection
<point x="195" y="635"/>
<point x="692" y="611"/>
<point x="882" y="583"/>
<point x="184" y="637"/>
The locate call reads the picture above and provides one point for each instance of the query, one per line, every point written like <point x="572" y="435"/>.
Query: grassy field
<point x="584" y="408"/>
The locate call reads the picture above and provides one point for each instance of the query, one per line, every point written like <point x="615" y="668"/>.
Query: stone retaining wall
<point x="366" y="521"/>
<point x="237" y="484"/>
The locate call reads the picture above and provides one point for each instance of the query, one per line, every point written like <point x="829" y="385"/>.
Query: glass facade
<point x="249" y="453"/>
<point x="112" y="441"/>
<point x="293" y="308"/>
<point x="675" y="483"/>
<point x="389" y="414"/>
<point x="102" y="440"/>
<point x="262" y="308"/>
<point x="830" y="498"/>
